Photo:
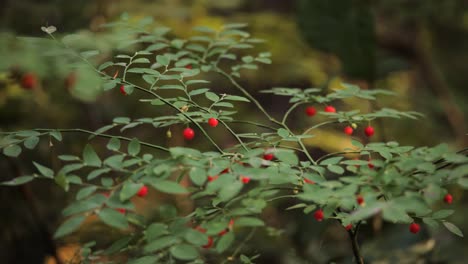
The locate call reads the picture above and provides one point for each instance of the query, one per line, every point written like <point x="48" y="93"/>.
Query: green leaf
<point x="184" y="252"/>
<point x="163" y="60"/>
<point x="85" y="192"/>
<point x="196" y="237"/>
<point x="453" y="228"/>
<point x="129" y="189"/>
<point x="287" y="156"/>
<point x="161" y="243"/>
<point x="225" y="242"/>
<point x="68" y="158"/>
<point x="155" y="230"/>
<point x="89" y="54"/>
<point x="97" y="173"/>
<point x="56" y="134"/>
<point x="46" y="172"/>
<point x="236" y="98"/>
<point x="18" y="181"/>
<point x="12" y="151"/>
<point x="212" y="96"/>
<point x="62" y="181"/>
<point x="335" y="169"/>
<point x="331" y="161"/>
<point x="430" y="222"/>
<point x="283" y="133"/>
<point x="118" y="245"/>
<point x="395" y="214"/>
<point x="114" y="144"/>
<point x="69" y="226"/>
<point x="249" y="222"/>
<point x="169" y="187"/>
<point x="229" y="191"/>
<point x="141" y="60"/>
<point x="113" y="218"/>
<point x="31" y="142"/>
<point x="134" y="147"/>
<point x="198" y="176"/>
<point x="90" y="157"/>
<point x="442" y="214"/>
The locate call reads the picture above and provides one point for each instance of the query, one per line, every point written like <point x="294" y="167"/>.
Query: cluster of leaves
<point x="403" y="182"/>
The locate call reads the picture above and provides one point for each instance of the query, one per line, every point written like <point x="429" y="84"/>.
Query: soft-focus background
<point x="417" y="48"/>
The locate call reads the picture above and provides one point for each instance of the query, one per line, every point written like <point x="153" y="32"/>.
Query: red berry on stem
<point x="360" y="199"/>
<point x="268" y="156"/>
<point x="330" y="109"/>
<point x="122" y="210"/>
<point x="348" y="130"/>
<point x="349" y="227"/>
<point x="308" y="181"/>
<point x="212" y="178"/>
<point x="189" y="134"/>
<point x="223" y="232"/>
<point x="448" y="198"/>
<point x="122" y="90"/>
<point x="210" y="243"/>
<point x="414" y="228"/>
<point x="29" y="81"/>
<point x="369" y="131"/>
<point x="310" y="111"/>
<point x="245" y="179"/>
<point x="318" y="215"/>
<point x="143" y="191"/>
<point x="213" y="122"/>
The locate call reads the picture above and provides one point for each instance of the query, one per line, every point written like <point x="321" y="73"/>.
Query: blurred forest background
<point x="417" y="48"/>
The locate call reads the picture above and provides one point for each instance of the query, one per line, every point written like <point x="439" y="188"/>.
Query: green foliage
<point x="403" y="183"/>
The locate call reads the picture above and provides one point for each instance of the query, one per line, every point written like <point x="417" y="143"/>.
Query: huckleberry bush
<point x="230" y="186"/>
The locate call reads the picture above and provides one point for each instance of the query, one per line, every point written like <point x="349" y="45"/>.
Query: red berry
<point x="212" y="178"/>
<point x="226" y="170"/>
<point x="143" y="191"/>
<point x="210" y="243"/>
<point x="122" y="90"/>
<point x="213" y="122"/>
<point x="122" y="210"/>
<point x="349" y="227"/>
<point x="245" y="179"/>
<point x="188" y="67"/>
<point x="348" y="130"/>
<point x="318" y="215"/>
<point x="330" y="109"/>
<point x="308" y="181"/>
<point x="360" y="199"/>
<point x="448" y="198"/>
<point x="310" y="111"/>
<point x="189" y="134"/>
<point x="29" y="81"/>
<point x="200" y="229"/>
<point x="223" y="232"/>
<point x="106" y="194"/>
<point x="369" y="131"/>
<point x="370" y="165"/>
<point x="414" y="228"/>
<point x="268" y="156"/>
